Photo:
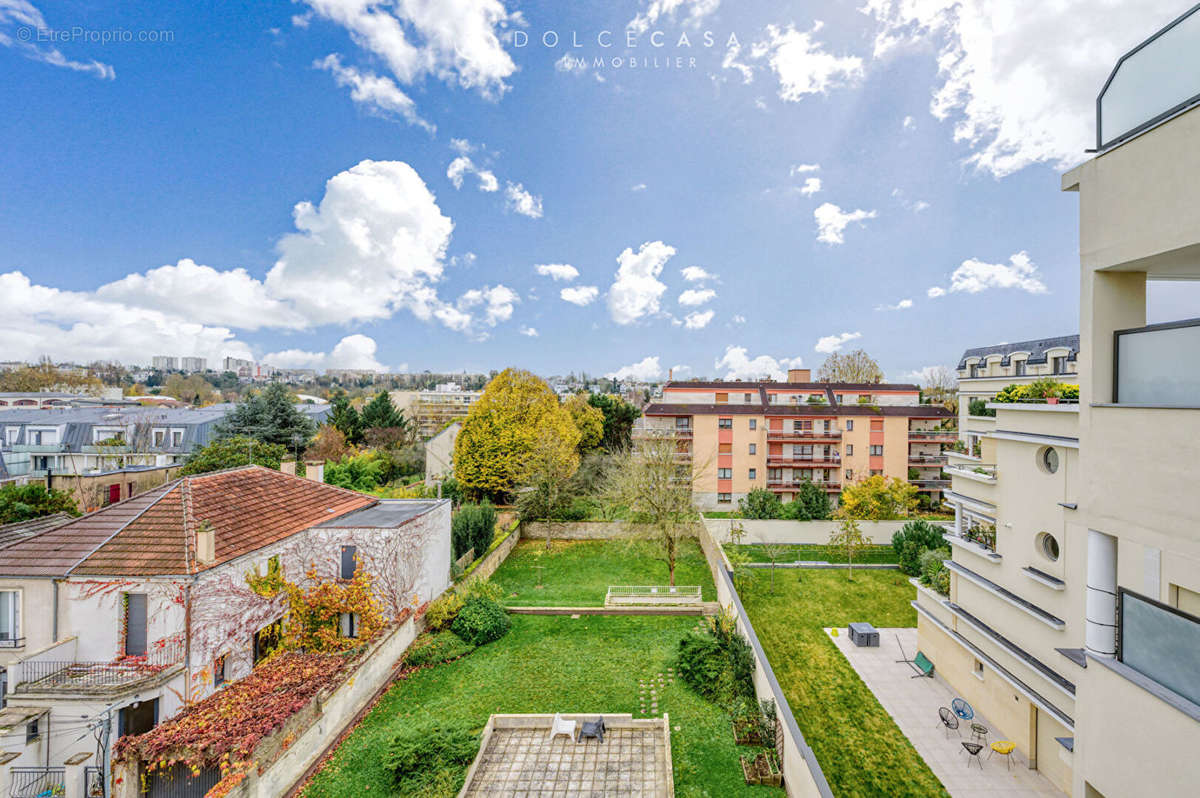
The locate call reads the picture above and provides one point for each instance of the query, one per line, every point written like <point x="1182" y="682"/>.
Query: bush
<point x="941" y="581"/>
<point x="931" y="563"/>
<point x="425" y="748"/>
<point x="473" y="527"/>
<point x="809" y="504"/>
<point x="481" y="621"/>
<point x="701" y="663"/>
<point x="481" y="588"/>
<point x="978" y="407"/>
<point x="580" y="509"/>
<point x="718" y="663"/>
<point x="760" y="504"/>
<point x="437" y="648"/>
<point x="442" y="611"/>
<point x="912" y="540"/>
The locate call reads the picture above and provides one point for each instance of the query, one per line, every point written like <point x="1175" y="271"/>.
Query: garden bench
<point x="653" y="595"/>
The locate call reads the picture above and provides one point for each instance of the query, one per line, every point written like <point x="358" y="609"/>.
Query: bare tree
<point x="848" y="538"/>
<point x="940" y="385"/>
<point x="545" y="480"/>
<point x="774" y="552"/>
<point x="856" y="366"/>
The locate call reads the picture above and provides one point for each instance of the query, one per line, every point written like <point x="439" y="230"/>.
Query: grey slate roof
<point x="1037" y="349"/>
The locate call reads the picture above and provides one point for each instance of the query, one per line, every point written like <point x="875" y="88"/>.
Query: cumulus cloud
<point x="804" y="168"/>
<point x="903" y="304"/>
<point x="693" y="13"/>
<point x="580" y="295"/>
<point x="376" y="94"/>
<point x="557" y="271"/>
<point x="732" y="60"/>
<point x="18" y="18"/>
<point x="462" y="166"/>
<point x="698" y="320"/>
<point x="645" y="370"/>
<point x="737" y="365"/>
<point x="802" y="64"/>
<point x="518" y="200"/>
<point x="1016" y="96"/>
<point x="811" y="186"/>
<point x="832" y="343"/>
<point x="832" y="222"/>
<point x="636" y="291"/>
<point x="680" y="370"/>
<point x="696" y="296"/>
<point x="496" y="303"/>
<point x="531" y="332"/>
<point x="975" y="276"/>
<point x="695" y="274"/>
<point x="352" y="352"/>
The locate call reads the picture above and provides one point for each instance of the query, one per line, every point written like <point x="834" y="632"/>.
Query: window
<point x="973" y="371"/>
<point x="1049" y="460"/>
<point x="349" y="564"/>
<point x="876" y="472"/>
<point x="176" y="438"/>
<point x="724" y="423"/>
<point x="753" y="473"/>
<point x="849" y="449"/>
<point x="979" y="670"/>
<point x="683" y="422"/>
<point x="876" y="450"/>
<point x="775" y="474"/>
<point x="724" y="498"/>
<point x="724" y="448"/>
<point x="722" y="398"/>
<point x="31" y="731"/>
<point x="266" y="640"/>
<point x="1048" y="545"/>
<point x="160" y="435"/>
<point x="877" y="425"/>
<point x="849" y="474"/>
<point x="747" y="398"/>
<point x="849" y="425"/>
<point x="754" y="423"/>
<point x="135" y="624"/>
<point x="805" y="424"/>
<point x="754" y="448"/>
<point x="10" y="615"/>
<point x="724" y="473"/>
<point x="348" y="624"/>
<point x="1060" y="364"/>
<point x="219" y="671"/>
<point x="839" y="397"/>
<point x="1020" y="368"/>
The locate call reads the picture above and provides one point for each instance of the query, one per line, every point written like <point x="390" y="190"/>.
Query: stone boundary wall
<point x="799" y="531"/>
<point x="484" y="568"/>
<point x="576" y="530"/>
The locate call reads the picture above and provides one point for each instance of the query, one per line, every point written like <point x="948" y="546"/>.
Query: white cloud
<point x="903" y="304"/>
<point x="909" y="123"/>
<point x="732" y="53"/>
<point x="531" y="332"/>
<point x="922" y="375"/>
<point x="497" y="302"/>
<point x="1015" y="94"/>
<point x="377" y="94"/>
<point x="204" y="295"/>
<point x="645" y="370"/>
<point x="739" y="319"/>
<point x="638" y="187"/>
<point x="680" y="370"/>
<point x="636" y="291"/>
<point x="804" y="168"/>
<point x="802" y="64"/>
<point x="935" y="292"/>
<point x="811" y="186"/>
<point x="462" y="146"/>
<point x="20" y="20"/>
<point x="695" y="274"/>
<point x="457" y="41"/>
<point x="352" y="352"/>
<point x="580" y="295"/>
<point x="557" y="271"/>
<point x="462" y="166"/>
<point x="974" y="276"/>
<point x="920" y="205"/>
<point x="518" y="200"/>
<point x="832" y="222"/>
<point x="832" y="343"/>
<point x="693" y="11"/>
<point x="737" y="365"/>
<point x="696" y="296"/>
<point x="698" y="320"/>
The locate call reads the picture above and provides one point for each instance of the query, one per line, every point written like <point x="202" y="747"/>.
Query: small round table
<point x="979" y="732"/>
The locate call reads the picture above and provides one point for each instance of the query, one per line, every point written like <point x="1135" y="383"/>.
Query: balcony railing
<point x="927" y="459"/>
<point x="796" y="483"/>
<point x="933" y="434"/>
<point x="36" y="782"/>
<point x="37" y="675"/>
<point x="776" y="460"/>
<point x="930" y="484"/>
<point x="803" y="434"/>
<point x="985" y="471"/>
<point x="1150" y="364"/>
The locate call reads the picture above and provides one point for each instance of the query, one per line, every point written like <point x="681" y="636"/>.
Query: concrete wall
<point x="498" y="555"/>
<point x="576" y="530"/>
<point x="797" y="531"/>
<point x="36" y="615"/>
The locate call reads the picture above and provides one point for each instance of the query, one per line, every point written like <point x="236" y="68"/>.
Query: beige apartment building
<point x="739" y="436"/>
<point x="435" y="410"/>
<point x="1075" y="624"/>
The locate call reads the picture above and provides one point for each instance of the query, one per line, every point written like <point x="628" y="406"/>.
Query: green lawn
<point x="550" y="664"/>
<point x="577" y="573"/>
<point x="860" y="748"/>
<point x="882" y="553"/>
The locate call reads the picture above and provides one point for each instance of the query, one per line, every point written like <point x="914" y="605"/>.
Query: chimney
<point x="314" y="470"/>
<point x="799" y="375"/>
<point x="670" y="374"/>
<point x="206" y="543"/>
<point x="288" y="467"/>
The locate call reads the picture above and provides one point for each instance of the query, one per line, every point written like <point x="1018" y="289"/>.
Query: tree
<point x="345" y="418"/>
<point x="233" y="452"/>
<point x="914" y="539"/>
<point x="192" y="389"/>
<point x="361" y="472"/>
<point x="26" y="502"/>
<point x="940" y="386"/>
<point x="856" y="366"/>
<point x="501" y="431"/>
<point x="848" y="538"/>
<point x="546" y="480"/>
<point x="878" y="498"/>
<point x="270" y="416"/>
<point x="760" y="503"/>
<point x="380" y="413"/>
<point x="809" y="503"/>
<point x="473" y="527"/>
<point x="774" y="552"/>
<point x="329" y="444"/>
<point x="589" y="420"/>
<point x="619" y="416"/>
<point x="45" y="376"/>
<point x="656" y="488"/>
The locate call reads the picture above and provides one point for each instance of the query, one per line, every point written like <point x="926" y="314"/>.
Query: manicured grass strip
<point x="549" y="664"/>
<point x="873" y="554"/>
<point x="577" y="573"/>
<point x="861" y="750"/>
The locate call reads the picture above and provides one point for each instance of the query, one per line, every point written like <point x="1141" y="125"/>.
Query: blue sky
<point x="357" y="184"/>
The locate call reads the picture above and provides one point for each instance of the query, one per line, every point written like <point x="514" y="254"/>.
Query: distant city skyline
<point x="723" y="190"/>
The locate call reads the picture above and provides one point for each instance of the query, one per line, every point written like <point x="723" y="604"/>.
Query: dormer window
<point x="1059" y="363"/>
<point x="973" y="371"/>
<point x="1019" y="366"/>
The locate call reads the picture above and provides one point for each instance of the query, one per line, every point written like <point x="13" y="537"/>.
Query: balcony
<point x="775" y="460"/>
<point x="1150" y="365"/>
<point x="927" y="460"/>
<point x="983" y="472"/>
<point x="44" y="672"/>
<point x="793" y="484"/>
<point x="930" y="484"/>
<point x="34" y="782"/>
<point x="933" y="435"/>
<point x="804" y="435"/>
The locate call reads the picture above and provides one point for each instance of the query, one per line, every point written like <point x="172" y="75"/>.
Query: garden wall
<point x="802" y="774"/>
<point x="797" y="531"/>
<point x="484" y="568"/>
<point x="577" y="530"/>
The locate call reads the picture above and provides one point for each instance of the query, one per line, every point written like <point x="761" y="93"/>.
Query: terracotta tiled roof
<point x="151" y="534"/>
<point x="20" y="530"/>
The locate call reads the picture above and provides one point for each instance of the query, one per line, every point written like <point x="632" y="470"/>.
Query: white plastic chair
<point x="561" y="726"/>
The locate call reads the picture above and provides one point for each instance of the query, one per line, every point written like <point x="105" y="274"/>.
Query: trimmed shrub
<point x="474" y="526"/>
<point x="437" y="648"/>
<point x="421" y="753"/>
<point x="760" y="504"/>
<point x="481" y="588"/>
<point x="912" y="540"/>
<point x="481" y="621"/>
<point x="442" y="611"/>
<point x="701" y="663"/>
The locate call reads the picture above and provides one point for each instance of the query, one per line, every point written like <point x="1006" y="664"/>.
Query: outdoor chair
<point x="979" y="732"/>
<point x="921" y="664"/>
<point x="962" y="709"/>
<point x="1004" y="748"/>
<point x="592" y="728"/>
<point x="948" y="720"/>
<point x="973" y="750"/>
<point x="561" y="726"/>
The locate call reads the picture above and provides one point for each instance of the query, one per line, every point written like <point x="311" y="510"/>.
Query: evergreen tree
<point x="380" y="413"/>
<point x="269" y="416"/>
<point x="346" y="419"/>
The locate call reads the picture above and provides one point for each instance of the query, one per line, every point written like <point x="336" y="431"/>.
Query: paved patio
<point x="913" y="704"/>
<point x="517" y="760"/>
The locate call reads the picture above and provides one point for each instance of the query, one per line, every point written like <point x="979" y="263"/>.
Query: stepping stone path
<point x="650" y="689"/>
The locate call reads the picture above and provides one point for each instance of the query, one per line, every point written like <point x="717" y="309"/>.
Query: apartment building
<point x="739" y="436"/>
<point x="1074" y="622"/>
<point x="434" y="410"/>
<point x="193" y="365"/>
<point x="165" y="363"/>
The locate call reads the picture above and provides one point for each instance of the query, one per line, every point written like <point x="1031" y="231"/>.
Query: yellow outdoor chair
<point x="1004" y="748"/>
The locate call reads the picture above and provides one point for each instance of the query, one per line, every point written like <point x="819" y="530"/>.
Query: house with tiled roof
<point x="124" y="614"/>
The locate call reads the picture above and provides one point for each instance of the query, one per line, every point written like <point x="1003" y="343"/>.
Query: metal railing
<point x="795" y="483"/>
<point x="929" y="459"/>
<point x="930" y="434"/>
<point x="38" y="674"/>
<point x="12" y="642"/>
<point x="803" y="434"/>
<point x="37" y="782"/>
<point x="831" y="462"/>
<point x="930" y="483"/>
<point x="652" y="594"/>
